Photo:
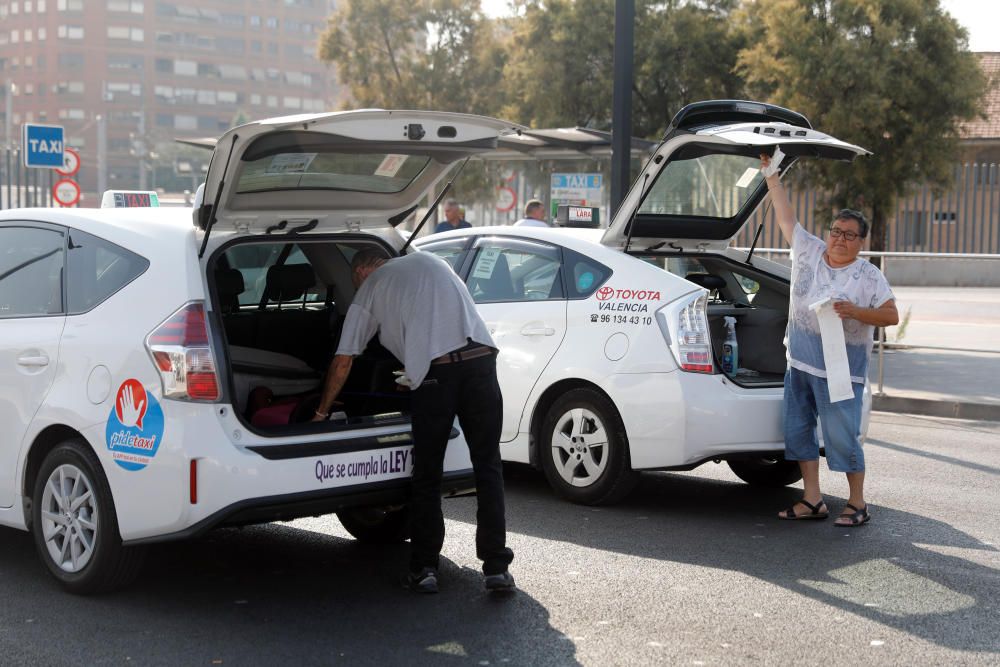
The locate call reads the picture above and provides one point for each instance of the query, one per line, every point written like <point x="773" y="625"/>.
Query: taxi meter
<point x="129" y="199"/>
<point x="578" y="216"/>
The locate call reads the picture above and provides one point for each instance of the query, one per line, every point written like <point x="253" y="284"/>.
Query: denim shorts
<point x="806" y="398"/>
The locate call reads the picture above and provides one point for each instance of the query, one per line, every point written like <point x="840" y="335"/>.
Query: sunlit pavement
<point x="692" y="569"/>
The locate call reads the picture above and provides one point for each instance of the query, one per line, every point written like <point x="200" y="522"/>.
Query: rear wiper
<point x="432" y="208"/>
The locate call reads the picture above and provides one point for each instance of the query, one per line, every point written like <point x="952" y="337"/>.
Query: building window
<point x="70" y="32"/>
<point x="186" y="67"/>
<point x="185" y="122"/>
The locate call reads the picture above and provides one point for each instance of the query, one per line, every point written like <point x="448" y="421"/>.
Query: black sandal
<point x="817" y="511"/>
<point x="858" y="517"/>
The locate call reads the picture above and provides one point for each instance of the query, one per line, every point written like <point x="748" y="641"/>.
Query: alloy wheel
<point x="580" y="447"/>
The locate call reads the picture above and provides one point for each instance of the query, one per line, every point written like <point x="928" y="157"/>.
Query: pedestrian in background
<point x="863" y="300"/>
<point x="454" y="217"/>
<point x="534" y="215"/>
<point x="424" y="315"/>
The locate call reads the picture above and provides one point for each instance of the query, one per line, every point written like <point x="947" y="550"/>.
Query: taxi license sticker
<point x="135" y="426"/>
<point x="290" y="163"/>
<point x="486" y="263"/>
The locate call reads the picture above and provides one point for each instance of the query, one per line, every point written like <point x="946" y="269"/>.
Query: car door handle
<point x="33" y="360"/>
<point x="538" y="331"/>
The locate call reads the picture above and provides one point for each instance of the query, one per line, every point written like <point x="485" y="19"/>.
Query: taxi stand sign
<point x="42" y="146"/>
<point x="129" y="199"/>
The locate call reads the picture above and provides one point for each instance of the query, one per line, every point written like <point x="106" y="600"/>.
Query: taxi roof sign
<point x="578" y="216"/>
<point x="129" y="199"/>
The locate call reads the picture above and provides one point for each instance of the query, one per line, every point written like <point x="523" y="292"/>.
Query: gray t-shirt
<point x="420" y="308"/>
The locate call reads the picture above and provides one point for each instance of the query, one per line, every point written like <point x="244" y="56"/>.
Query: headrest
<point x="706" y="280"/>
<point x="289" y="281"/>
<point x="229" y="282"/>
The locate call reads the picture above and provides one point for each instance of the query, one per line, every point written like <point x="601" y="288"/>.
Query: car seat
<point x="497" y="287"/>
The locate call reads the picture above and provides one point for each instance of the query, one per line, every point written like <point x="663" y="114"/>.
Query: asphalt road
<point x="692" y="569"/>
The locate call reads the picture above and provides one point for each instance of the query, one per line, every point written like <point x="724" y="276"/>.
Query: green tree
<point x="684" y="52"/>
<point x="894" y="76"/>
<point x="561" y="63"/>
<point x="428" y="54"/>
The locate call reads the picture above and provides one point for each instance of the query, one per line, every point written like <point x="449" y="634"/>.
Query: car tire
<point x="764" y="471"/>
<point x="377" y="525"/>
<point x="75" y="526"/>
<point x="585" y="449"/>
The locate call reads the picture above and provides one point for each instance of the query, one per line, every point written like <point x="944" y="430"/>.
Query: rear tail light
<point x="688" y="335"/>
<point x="182" y="354"/>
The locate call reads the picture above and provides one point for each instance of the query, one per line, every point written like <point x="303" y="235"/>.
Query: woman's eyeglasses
<point x="837" y="233"/>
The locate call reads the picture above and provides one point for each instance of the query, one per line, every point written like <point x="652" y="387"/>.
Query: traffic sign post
<point x="66" y="192"/>
<point x="43" y="146"/>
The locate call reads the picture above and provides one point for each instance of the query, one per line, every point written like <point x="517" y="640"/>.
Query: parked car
<point x="611" y="339"/>
<point x="140" y="347"/>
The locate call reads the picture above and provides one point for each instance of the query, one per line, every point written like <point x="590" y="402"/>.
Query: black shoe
<point x="498" y="583"/>
<point x="425" y="581"/>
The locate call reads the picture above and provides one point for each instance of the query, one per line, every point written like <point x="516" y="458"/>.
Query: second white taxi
<point x="611" y="339"/>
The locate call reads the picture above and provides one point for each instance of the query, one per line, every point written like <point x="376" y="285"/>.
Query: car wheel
<point x="75" y="526"/>
<point x="773" y="471"/>
<point x="585" y="456"/>
<point x="377" y="525"/>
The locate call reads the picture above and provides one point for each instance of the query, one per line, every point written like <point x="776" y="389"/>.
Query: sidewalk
<point x="936" y="382"/>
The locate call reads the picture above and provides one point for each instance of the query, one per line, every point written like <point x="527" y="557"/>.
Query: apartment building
<point x="133" y="75"/>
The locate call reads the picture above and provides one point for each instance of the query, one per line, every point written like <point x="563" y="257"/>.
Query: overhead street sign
<point x="43" y="146"/>
<point x="71" y="163"/>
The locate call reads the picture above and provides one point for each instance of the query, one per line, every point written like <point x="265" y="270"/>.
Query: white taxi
<point x="611" y="340"/>
<point x="159" y="367"/>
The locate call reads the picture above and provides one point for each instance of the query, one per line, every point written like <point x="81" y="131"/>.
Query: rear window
<point x="709" y="186"/>
<point x="384" y="173"/>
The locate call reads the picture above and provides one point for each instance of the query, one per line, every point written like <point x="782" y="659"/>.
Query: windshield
<point x="358" y="172"/>
<point x="710" y="186"/>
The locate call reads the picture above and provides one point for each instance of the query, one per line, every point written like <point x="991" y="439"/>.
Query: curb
<point x="936" y="408"/>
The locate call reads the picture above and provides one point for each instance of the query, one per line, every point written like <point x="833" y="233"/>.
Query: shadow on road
<point x="888" y="572"/>
<point x="269" y="595"/>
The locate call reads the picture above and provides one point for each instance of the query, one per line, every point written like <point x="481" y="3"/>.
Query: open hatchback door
<point x="336" y="171"/>
<point x="703" y="182"/>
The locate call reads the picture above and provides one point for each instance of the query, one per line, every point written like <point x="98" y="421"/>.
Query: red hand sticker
<point x="130" y="404"/>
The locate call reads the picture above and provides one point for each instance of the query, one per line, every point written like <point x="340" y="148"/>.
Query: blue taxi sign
<point x="42" y="146"/>
<point x="129" y="199"/>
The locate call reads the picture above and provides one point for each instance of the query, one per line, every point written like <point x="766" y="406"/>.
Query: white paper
<point x="486" y="263"/>
<point x="838" y="370"/>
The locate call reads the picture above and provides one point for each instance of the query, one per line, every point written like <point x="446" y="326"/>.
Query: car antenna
<point x="218" y="196"/>
<point x="433" y="207"/>
<point x="635" y="211"/>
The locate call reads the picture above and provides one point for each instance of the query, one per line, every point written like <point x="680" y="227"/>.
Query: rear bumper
<point x="311" y="503"/>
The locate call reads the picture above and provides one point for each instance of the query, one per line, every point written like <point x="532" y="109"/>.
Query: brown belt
<point x="463" y="354"/>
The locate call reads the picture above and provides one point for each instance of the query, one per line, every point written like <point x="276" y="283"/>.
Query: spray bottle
<point x="730" y="348"/>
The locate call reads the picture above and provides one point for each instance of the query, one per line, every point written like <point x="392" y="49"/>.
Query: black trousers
<point x="468" y="389"/>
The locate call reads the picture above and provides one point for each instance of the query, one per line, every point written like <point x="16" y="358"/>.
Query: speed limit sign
<point x="66" y="192"/>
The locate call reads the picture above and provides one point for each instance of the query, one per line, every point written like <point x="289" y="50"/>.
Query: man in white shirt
<point x="863" y="300"/>
<point x="424" y="315"/>
<point x="534" y="215"/>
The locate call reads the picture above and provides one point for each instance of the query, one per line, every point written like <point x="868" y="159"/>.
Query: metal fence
<point x="22" y="186"/>
<point x="965" y="218"/>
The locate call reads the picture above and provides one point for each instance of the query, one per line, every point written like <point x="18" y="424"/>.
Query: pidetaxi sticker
<point x="135" y="426"/>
